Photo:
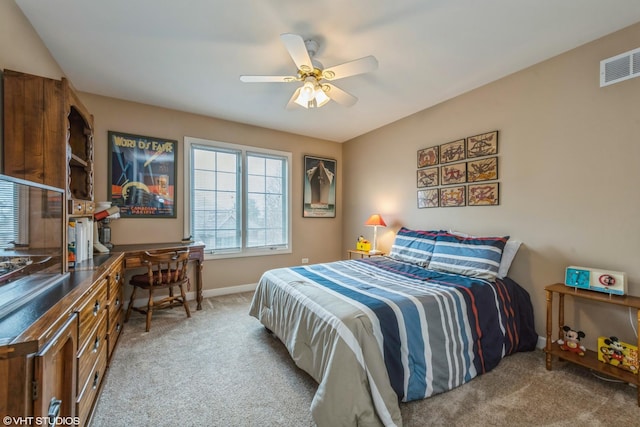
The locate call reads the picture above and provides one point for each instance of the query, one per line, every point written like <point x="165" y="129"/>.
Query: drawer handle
<point x="54" y="410"/>
<point x="96" y="308"/>
<point x="117" y="302"/>
<point x="117" y="277"/>
<point x="96" y="377"/>
<point x="96" y="344"/>
<point x="118" y="327"/>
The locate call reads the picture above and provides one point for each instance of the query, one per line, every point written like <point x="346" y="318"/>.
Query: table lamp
<point x="376" y="221"/>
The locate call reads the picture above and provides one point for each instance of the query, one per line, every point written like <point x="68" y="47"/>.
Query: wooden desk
<point x="133" y="258"/>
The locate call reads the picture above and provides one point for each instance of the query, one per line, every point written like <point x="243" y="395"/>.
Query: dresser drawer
<point x="114" y="278"/>
<point x="90" y="351"/>
<point x="88" y="393"/>
<point x="115" y="306"/>
<point x="115" y="329"/>
<point x="90" y="310"/>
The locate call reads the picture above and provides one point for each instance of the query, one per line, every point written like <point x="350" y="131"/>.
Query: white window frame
<point x="244" y="149"/>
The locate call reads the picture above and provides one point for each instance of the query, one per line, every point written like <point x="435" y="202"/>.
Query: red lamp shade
<point x="375" y="219"/>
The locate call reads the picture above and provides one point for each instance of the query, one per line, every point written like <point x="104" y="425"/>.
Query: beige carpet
<point x="221" y="368"/>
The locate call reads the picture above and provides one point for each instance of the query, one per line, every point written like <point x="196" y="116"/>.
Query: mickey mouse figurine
<point x="571" y="341"/>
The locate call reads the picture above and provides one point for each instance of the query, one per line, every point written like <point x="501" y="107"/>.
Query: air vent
<point x="620" y="67"/>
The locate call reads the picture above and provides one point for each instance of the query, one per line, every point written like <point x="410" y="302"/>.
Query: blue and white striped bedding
<point x="378" y="330"/>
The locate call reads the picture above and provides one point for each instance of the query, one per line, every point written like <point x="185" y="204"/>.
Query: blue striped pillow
<point x="470" y="256"/>
<point x="413" y="246"/>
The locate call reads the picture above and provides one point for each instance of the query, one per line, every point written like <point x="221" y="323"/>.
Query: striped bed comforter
<point x="376" y="331"/>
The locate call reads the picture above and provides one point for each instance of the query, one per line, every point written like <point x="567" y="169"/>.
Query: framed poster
<point x="428" y="198"/>
<point x="319" y="188"/>
<point x="453" y="174"/>
<point x="483" y="194"/>
<point x="427" y="177"/>
<point x="428" y="157"/>
<point x="452" y="196"/>
<point x="482" y="145"/>
<point x="142" y="175"/>
<point x="482" y="170"/>
<point x="452" y="151"/>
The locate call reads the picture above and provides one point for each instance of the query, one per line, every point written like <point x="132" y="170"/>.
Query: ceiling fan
<point x="316" y="90"/>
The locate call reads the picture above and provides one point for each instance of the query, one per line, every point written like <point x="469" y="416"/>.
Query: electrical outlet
<point x="305" y="260"/>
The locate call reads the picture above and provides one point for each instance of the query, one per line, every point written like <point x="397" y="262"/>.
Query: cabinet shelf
<point x="590" y="361"/>
<point x="590" y="358"/>
<point x="77" y="161"/>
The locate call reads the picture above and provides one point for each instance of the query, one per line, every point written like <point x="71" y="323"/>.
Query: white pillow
<point x="508" y="253"/>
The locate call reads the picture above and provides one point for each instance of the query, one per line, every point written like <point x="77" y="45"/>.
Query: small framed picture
<point x="428" y="177"/>
<point x="481" y="145"/>
<point x="455" y="173"/>
<point x="428" y="198"/>
<point x="452" y="196"/>
<point x="452" y="151"/>
<point x="428" y="157"/>
<point x="319" y="197"/>
<point x="482" y="170"/>
<point x="483" y="194"/>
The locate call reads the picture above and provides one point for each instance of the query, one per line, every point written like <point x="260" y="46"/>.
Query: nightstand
<point x="363" y="254"/>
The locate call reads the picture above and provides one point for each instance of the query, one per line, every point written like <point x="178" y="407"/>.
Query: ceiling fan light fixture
<point x="321" y="98"/>
<point x="308" y="89"/>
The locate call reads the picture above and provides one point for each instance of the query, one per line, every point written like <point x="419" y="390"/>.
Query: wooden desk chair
<point x="165" y="270"/>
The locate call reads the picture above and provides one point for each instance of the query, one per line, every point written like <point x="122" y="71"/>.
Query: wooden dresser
<point x="56" y="349"/>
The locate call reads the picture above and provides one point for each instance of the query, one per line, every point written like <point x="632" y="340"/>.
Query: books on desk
<point x="80" y="240"/>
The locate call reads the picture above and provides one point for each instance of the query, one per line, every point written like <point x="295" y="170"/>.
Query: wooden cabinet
<point x="58" y="362"/>
<point x="115" y="314"/>
<point x="92" y="349"/>
<point x="48" y="134"/>
<point x="590" y="358"/>
<point x="54" y="387"/>
<point x="34" y="137"/>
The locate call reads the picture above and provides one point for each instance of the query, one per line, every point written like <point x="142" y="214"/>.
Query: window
<point x="8" y="213"/>
<point x="238" y="198"/>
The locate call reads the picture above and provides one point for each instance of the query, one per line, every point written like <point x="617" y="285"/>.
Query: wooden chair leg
<point x="133" y="294"/>
<point x="184" y="301"/>
<point x="149" y="309"/>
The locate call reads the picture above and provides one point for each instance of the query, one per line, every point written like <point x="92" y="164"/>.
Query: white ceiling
<point x="188" y="54"/>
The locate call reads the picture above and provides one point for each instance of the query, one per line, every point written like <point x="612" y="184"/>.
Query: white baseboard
<point x="206" y="293"/>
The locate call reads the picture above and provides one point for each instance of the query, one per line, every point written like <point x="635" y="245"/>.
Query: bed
<point x="372" y="332"/>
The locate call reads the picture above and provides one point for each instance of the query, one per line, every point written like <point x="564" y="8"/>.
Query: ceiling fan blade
<point x="292" y="102"/>
<point x="339" y="95"/>
<point x="351" y="68"/>
<point x="267" y="79"/>
<point x="298" y="51"/>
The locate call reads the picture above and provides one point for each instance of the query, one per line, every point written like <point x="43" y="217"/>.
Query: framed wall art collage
<point x="459" y="173"/>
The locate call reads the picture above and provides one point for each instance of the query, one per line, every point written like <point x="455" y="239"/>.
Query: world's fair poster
<point x="142" y="172"/>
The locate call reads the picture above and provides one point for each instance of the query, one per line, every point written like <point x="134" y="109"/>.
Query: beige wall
<point x="568" y="155"/>
<point x="568" y="175"/>
<point x="317" y="239"/>
<point x="20" y="46"/>
<point x="309" y="234"/>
